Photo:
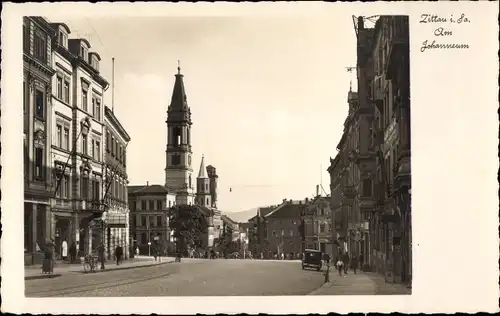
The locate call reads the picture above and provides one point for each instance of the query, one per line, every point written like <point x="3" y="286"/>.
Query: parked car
<point x="312" y="259"/>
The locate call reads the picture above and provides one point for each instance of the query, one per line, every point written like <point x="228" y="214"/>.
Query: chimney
<point x="361" y="23"/>
<point x="317" y="190"/>
<point x="147" y="183"/>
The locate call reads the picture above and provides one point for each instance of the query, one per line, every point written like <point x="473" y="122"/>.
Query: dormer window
<point x="63" y="39"/>
<point x="95" y="63"/>
<point x="83" y="53"/>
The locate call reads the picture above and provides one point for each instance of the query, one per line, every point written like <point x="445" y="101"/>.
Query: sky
<point x="268" y="96"/>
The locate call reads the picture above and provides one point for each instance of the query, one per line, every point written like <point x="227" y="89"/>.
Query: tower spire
<point x="202" y="174"/>
<point x="178" y="67"/>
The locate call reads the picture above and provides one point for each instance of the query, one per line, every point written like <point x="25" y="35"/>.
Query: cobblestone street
<point x="192" y="277"/>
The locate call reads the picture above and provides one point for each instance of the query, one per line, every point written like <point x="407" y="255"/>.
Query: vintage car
<point x="312" y="259"/>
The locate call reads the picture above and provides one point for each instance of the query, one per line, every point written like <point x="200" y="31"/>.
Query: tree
<point x="188" y="225"/>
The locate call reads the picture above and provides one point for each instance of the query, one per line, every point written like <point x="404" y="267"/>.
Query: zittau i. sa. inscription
<point x="446" y="28"/>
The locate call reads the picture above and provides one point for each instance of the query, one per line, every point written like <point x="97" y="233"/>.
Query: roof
<point x="287" y="210"/>
<point x="263" y="211"/>
<point x="202" y="174"/>
<point x="179" y="98"/>
<point x="154" y="189"/>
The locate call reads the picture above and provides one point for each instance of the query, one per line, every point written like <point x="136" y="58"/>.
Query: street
<point x="192" y="277"/>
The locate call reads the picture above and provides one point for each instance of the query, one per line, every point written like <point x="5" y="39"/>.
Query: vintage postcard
<point x="249" y="157"/>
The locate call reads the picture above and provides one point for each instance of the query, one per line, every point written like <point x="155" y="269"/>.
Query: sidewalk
<point x="362" y="283"/>
<point x="62" y="268"/>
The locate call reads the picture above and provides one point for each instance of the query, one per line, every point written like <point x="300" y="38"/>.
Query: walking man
<point x="354" y="264"/>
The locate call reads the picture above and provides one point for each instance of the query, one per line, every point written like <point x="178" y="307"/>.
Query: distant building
<point x="257" y="233"/>
<point x="149" y="206"/>
<point x="317" y="224"/>
<point x="283" y="229"/>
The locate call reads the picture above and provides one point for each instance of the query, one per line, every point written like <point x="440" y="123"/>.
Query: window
<point x="159" y="221"/>
<point x="39" y="163"/>
<point x="85" y="144"/>
<point x="95" y="63"/>
<point x="98" y="150"/>
<point x="151" y="205"/>
<point x="26" y="158"/>
<point x="322" y="227"/>
<point x="40" y="49"/>
<point x="59" y="85"/>
<point x="177" y="136"/>
<point x="25" y="97"/>
<point x="96" y="190"/>
<point x="143" y="205"/>
<point x="124" y="157"/>
<point x="190" y="184"/>
<point x="112" y="146"/>
<point x="66" y="91"/>
<point x="159" y="204"/>
<point x="26" y="38"/>
<point x="84" y="100"/>
<point x="116" y="149"/>
<point x="120" y="153"/>
<point x="98" y="109"/>
<point x="92" y="149"/>
<point x="176" y="160"/>
<point x="59" y="136"/>
<point x="40" y="104"/>
<point x="65" y="187"/>
<point x="66" y="138"/>
<point x="107" y="142"/>
<point x="207" y="202"/>
<point x="84" y="194"/>
<point x="291" y="232"/>
<point x="83" y="53"/>
<point x="206" y="187"/>
<point x="93" y="107"/>
<point x="169" y="204"/>
<point x="63" y="39"/>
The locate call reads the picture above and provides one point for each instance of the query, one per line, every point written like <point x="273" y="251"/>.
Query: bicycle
<point x="90" y="263"/>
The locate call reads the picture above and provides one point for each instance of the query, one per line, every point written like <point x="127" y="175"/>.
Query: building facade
<point x="149" y="206"/>
<point x="115" y="190"/>
<point x="283" y="230"/>
<point x="384" y="153"/>
<point x="179" y="169"/>
<point x="37" y="108"/>
<point x="78" y="156"/>
<point x="336" y="217"/>
<point x="316" y="218"/>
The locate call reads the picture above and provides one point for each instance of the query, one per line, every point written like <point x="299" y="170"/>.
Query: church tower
<point x="203" y="196"/>
<point x="178" y="170"/>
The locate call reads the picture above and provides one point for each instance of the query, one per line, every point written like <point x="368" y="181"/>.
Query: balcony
<point x="398" y="46"/>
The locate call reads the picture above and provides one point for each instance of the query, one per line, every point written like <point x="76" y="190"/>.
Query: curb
<point x="42" y="276"/>
<point x="54" y="275"/>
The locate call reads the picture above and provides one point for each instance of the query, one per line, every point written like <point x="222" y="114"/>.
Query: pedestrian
<point x="339" y="265"/>
<point x="100" y="253"/>
<point x="345" y="259"/>
<point x="64" y="248"/>
<point x="361" y="261"/>
<point x="118" y="254"/>
<point x="137" y="251"/>
<point x="72" y="252"/>
<point x="354" y="263"/>
<point x="282" y="256"/>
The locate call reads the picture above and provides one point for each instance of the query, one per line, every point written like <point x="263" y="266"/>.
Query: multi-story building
<point x="149" y="205"/>
<point x="37" y="108"/>
<point x="77" y="151"/>
<point x="212" y="175"/>
<point x="316" y="218"/>
<point x="257" y="240"/>
<point x="384" y="152"/>
<point x="115" y="191"/>
<point x="283" y="229"/>
<point x="336" y="217"/>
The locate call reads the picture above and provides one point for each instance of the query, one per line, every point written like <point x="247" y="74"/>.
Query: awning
<point x="116" y="220"/>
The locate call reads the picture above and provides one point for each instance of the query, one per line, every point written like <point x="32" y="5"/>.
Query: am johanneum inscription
<point x="444" y="30"/>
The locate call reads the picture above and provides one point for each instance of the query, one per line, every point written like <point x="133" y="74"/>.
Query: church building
<point x="179" y="182"/>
